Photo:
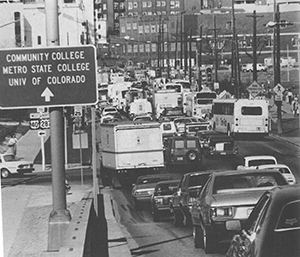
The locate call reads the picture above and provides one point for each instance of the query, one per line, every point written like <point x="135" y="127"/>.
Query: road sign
<point x="42" y="133"/>
<point x="278" y="89"/>
<point x="52" y="76"/>
<point x="39" y="121"/>
<point x="254" y="89"/>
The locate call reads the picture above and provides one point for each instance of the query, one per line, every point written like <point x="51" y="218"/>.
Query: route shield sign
<point x="52" y="76"/>
<point x="254" y="89"/>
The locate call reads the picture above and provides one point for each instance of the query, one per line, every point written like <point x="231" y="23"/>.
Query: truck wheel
<point x="178" y="218"/>
<point x="5" y="173"/>
<point x="192" y="155"/>
<point x="198" y="236"/>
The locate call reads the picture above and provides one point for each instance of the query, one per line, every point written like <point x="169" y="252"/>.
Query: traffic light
<point x="209" y="74"/>
<point x="157" y="73"/>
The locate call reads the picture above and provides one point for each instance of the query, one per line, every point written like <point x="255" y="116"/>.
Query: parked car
<point x="252" y="162"/>
<point x="228" y="195"/>
<point x="284" y="169"/>
<point x="143" y="117"/>
<point x="161" y="196"/>
<point x="273" y="228"/>
<point x="144" y="187"/>
<point x="183" y="150"/>
<point x="219" y="145"/>
<point x="182" y="200"/>
<point x="9" y="164"/>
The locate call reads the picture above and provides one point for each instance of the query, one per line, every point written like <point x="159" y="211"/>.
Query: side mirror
<point x="233" y="225"/>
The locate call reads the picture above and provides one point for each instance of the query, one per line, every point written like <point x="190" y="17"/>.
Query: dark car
<point x="183" y="150"/>
<point x="228" y="195"/>
<point x="161" y="196"/>
<point x="219" y="145"/>
<point x="273" y="228"/>
<point x="144" y="187"/>
<point x="182" y="200"/>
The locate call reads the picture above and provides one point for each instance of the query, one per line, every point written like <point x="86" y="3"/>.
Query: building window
<point x="128" y="26"/>
<point x="141" y="29"/>
<point x="158" y="12"/>
<point x="147" y="28"/>
<point x="177" y="4"/>
<point x="17" y="28"/>
<point x="141" y="48"/>
<point x="39" y="40"/>
<point x="149" y="13"/>
<point x="163" y="3"/>
<point x="135" y="14"/>
<point x="123" y="29"/>
<point x="153" y="28"/>
<point x="172" y="4"/>
<point x="164" y="13"/>
<point x="130" y="6"/>
<point x="130" y="14"/>
<point x="135" y="5"/>
<point x="145" y="13"/>
<point x="144" y="4"/>
<point x="158" y="3"/>
<point x="149" y="4"/>
<point x="135" y="49"/>
<point x="134" y="26"/>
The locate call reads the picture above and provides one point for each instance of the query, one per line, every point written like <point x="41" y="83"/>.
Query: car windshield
<point x="9" y="158"/>
<point x="166" y="189"/>
<point x="110" y="110"/>
<point x="245" y="181"/>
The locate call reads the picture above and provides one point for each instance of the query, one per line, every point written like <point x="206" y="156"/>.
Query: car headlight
<point x="221" y="212"/>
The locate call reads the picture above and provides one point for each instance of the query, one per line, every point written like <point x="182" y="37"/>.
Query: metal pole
<point x="190" y="55"/>
<point x="200" y="59"/>
<point x="254" y="48"/>
<point x="216" y="48"/>
<point x="94" y="161"/>
<point x="234" y="52"/>
<point x="181" y="42"/>
<point x="59" y="216"/>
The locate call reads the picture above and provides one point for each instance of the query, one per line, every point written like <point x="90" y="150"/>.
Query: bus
<point x="199" y="104"/>
<point x="237" y="116"/>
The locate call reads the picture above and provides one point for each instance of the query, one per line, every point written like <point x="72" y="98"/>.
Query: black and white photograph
<point x="151" y="128"/>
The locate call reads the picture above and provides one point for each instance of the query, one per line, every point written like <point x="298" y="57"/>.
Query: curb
<point x="283" y="139"/>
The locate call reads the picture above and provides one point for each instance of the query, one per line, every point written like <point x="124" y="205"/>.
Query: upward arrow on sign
<point x="47" y="94"/>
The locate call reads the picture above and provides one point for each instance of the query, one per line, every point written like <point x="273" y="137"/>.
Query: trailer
<point x="130" y="149"/>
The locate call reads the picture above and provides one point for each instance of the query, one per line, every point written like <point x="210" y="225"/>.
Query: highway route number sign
<point x="39" y="121"/>
<point x="49" y="77"/>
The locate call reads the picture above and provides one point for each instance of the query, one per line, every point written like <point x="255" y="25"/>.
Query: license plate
<point x="180" y="158"/>
<point x="223" y="153"/>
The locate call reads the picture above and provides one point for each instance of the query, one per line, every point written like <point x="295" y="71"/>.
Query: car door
<point x="246" y="244"/>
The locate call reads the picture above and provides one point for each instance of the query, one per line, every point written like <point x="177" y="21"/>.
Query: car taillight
<point x="159" y="200"/>
<point x="221" y="212"/>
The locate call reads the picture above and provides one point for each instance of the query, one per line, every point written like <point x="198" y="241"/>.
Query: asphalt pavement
<point x="26" y="208"/>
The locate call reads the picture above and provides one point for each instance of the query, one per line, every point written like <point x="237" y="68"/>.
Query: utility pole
<point x="59" y="217"/>
<point x="185" y="52"/>
<point x="234" y="56"/>
<point x="163" y="44"/>
<point x="215" y="47"/>
<point x="277" y="76"/>
<point x="190" y="55"/>
<point x="176" y="45"/>
<point x="200" y="58"/>
<point x="181" y="42"/>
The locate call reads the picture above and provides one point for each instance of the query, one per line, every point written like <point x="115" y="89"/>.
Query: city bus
<point x="199" y="104"/>
<point x="236" y="116"/>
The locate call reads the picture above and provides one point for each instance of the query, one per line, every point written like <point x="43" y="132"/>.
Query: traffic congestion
<point x="195" y="161"/>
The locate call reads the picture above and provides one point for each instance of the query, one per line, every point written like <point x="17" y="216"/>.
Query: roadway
<point x="156" y="239"/>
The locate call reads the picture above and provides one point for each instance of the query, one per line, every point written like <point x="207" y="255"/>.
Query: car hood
<point x="237" y="198"/>
<point x="16" y="163"/>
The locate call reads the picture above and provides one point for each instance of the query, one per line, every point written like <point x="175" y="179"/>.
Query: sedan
<point x="160" y="199"/>
<point x="9" y="164"/>
<point x="284" y="169"/>
<point x="273" y="228"/>
<point x="228" y="195"/>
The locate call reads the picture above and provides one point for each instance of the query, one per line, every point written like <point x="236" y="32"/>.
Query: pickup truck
<point x="182" y="200"/>
<point x="252" y="162"/>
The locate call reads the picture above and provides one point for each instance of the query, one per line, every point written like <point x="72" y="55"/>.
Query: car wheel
<point x="5" y="173"/>
<point x="198" y="236"/>
<point x="178" y="218"/>
<point x="208" y="241"/>
<point x="192" y="155"/>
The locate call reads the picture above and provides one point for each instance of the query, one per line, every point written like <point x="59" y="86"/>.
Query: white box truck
<point x="129" y="149"/>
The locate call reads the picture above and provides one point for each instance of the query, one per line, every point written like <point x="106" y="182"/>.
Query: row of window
<point x="148" y="4"/>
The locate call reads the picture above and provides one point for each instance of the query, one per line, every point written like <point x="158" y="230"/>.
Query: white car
<point x="252" y="162"/>
<point x="109" y="110"/>
<point x="284" y="170"/>
<point x="9" y="164"/>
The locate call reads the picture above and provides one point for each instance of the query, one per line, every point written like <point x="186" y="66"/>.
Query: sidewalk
<point x="290" y="126"/>
<point x="26" y="209"/>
